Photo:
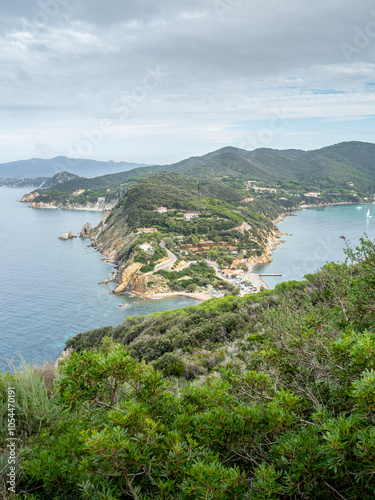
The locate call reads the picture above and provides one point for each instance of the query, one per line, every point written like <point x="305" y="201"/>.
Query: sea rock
<point x="104" y="282"/>
<point x="86" y="230"/>
<point x="67" y="236"/>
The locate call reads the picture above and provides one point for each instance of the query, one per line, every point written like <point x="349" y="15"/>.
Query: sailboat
<point x="368" y="214"/>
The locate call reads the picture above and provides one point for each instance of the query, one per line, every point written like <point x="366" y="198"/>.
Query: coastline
<point x="202" y="297"/>
<point x="291" y="213"/>
<point x="46" y="206"/>
<point x="273" y="239"/>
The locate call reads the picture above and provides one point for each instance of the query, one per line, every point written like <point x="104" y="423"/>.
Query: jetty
<point x="269" y="274"/>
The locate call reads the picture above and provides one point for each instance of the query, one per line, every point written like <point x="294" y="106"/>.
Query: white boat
<point x="359" y="208"/>
<point x="368" y="214"/>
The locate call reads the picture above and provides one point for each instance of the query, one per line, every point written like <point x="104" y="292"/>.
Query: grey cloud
<point x="219" y="58"/>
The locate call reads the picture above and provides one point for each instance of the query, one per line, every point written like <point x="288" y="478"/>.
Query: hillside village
<point x="204" y="245"/>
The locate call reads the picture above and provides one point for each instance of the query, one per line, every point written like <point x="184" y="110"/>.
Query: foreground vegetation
<point x="280" y="404"/>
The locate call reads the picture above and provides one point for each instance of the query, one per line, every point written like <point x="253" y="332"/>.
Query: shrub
<point x="170" y="364"/>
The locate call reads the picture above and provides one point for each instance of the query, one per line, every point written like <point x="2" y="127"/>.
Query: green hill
<point x="332" y="166"/>
<point x="221" y="214"/>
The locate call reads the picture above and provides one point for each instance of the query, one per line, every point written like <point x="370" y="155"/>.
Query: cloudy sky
<point x="156" y="81"/>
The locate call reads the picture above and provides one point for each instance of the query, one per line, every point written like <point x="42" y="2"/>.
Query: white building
<point x="146" y="247"/>
<point x="190" y="216"/>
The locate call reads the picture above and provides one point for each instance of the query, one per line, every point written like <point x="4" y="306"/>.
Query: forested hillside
<point x="170" y="210"/>
<point x="331" y="166"/>
<point x="280" y="404"/>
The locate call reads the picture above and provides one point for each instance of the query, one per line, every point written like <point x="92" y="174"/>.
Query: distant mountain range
<point x="38" y="167"/>
<point x="341" y="165"/>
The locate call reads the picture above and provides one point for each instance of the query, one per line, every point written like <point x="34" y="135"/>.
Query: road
<point x="167" y="263"/>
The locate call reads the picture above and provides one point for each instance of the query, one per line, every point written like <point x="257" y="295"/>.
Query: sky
<point x="157" y="81"/>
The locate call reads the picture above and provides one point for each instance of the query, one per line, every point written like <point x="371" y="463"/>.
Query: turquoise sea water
<point x="316" y="240"/>
<point x="49" y="288"/>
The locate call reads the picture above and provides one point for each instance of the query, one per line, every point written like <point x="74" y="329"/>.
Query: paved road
<point x="216" y="267"/>
<point x="167" y="263"/>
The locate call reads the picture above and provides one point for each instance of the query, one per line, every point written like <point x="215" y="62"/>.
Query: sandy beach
<point x="167" y="295"/>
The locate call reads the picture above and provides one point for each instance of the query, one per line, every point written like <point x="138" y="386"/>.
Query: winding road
<point x="167" y="263"/>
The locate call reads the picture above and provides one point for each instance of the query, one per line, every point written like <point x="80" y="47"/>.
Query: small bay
<point x="316" y="240"/>
<point x="49" y="287"/>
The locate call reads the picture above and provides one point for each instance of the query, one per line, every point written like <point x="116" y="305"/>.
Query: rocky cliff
<point x="27" y="198"/>
<point x="96" y="207"/>
<point x="272" y="241"/>
<point x="131" y="280"/>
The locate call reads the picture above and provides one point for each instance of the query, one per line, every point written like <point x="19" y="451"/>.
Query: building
<point x="190" y="216"/>
<point x="146" y="247"/>
<point x="237" y="262"/>
<point x="147" y="230"/>
<point x="312" y="194"/>
<point x="268" y="190"/>
<point x="161" y="210"/>
<point x="78" y="192"/>
<point x="233" y="273"/>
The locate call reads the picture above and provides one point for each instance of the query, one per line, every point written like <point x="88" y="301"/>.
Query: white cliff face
<point x="98" y="206"/>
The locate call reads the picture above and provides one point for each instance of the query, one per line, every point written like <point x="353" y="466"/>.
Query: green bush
<point x="147" y="269"/>
<point x="170" y="364"/>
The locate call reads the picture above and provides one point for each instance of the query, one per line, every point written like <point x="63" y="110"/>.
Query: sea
<point x="314" y="239"/>
<point x="49" y="288"/>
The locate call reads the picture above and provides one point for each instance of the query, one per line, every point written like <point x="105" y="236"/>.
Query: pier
<point x="270" y="274"/>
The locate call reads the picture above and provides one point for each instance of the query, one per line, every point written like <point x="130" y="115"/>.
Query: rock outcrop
<point x="67" y="236"/>
<point x="65" y="355"/>
<point x="86" y="230"/>
<point x="272" y="242"/>
<point x="42" y="205"/>
<point x="27" y="198"/>
<point x="131" y="281"/>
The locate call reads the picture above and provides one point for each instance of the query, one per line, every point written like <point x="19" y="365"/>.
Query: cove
<point x="316" y="240"/>
<point x="49" y="288"/>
